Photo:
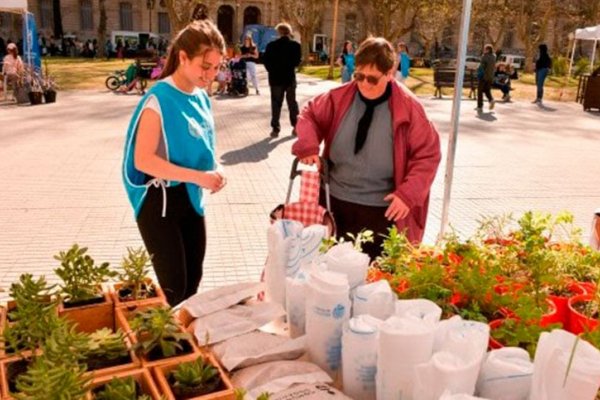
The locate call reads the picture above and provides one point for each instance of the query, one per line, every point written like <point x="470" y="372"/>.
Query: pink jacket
<point x="416" y="145"/>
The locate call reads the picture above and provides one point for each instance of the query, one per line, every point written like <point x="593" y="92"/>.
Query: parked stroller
<point x="238" y="86"/>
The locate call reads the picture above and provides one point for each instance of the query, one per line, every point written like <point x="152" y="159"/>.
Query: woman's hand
<point x="397" y="208"/>
<point x="211" y="180"/>
<point x="312" y="160"/>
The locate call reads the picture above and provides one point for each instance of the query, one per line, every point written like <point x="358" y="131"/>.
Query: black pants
<point x="484" y="87"/>
<point x="176" y="242"/>
<point x="353" y="218"/>
<point x="277" y="94"/>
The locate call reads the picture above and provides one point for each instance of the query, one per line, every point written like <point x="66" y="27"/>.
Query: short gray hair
<point x="284" y="29"/>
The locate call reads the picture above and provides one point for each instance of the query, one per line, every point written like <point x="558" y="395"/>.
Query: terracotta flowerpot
<point x="129" y="363"/>
<point x="141" y="376"/>
<point x="91" y="317"/>
<point x="579" y="322"/>
<point x="162" y="372"/>
<point x="124" y="314"/>
<point x="159" y="297"/>
<point x="10" y="369"/>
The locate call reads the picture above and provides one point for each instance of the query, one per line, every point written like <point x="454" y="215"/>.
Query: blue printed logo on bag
<point x="338" y="311"/>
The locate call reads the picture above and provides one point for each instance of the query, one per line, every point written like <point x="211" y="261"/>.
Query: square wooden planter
<point x="5" y="366"/>
<point x="161" y="373"/>
<point x="90" y="318"/>
<point x="124" y="314"/>
<point x="135" y="363"/>
<point x="141" y="376"/>
<point x="158" y="299"/>
<point x="3" y="319"/>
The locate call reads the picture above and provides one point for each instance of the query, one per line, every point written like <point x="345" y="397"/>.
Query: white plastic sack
<point x="375" y="299"/>
<point x="345" y="259"/>
<point x="280" y="235"/>
<point x="310" y="391"/>
<point x="211" y="301"/>
<point x="255" y="348"/>
<point x="595" y="231"/>
<point x="295" y="297"/>
<point x="327" y="308"/>
<point x="461" y="396"/>
<point x="506" y="374"/>
<point x="423" y="309"/>
<point x="403" y="344"/>
<point x="550" y="380"/>
<point x="273" y="377"/>
<point x="305" y="247"/>
<point x="234" y="321"/>
<point x="359" y="356"/>
<point x="459" y="349"/>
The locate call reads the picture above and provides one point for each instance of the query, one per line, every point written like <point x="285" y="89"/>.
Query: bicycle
<point x="118" y="82"/>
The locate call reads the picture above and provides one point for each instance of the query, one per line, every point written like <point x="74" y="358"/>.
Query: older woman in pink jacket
<point x="382" y="150"/>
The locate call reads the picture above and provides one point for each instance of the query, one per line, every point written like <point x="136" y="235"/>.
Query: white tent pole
<point x="458" y="84"/>
<point x="593" y="56"/>
<point x="572" y="56"/>
<point x="26" y="44"/>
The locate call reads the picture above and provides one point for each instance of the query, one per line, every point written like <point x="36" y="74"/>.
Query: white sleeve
<point x="152" y="103"/>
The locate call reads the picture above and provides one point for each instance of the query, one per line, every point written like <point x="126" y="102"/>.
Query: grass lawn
<point x="85" y="73"/>
<point x="420" y="82"/>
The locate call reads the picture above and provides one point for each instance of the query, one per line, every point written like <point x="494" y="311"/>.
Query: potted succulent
<point x="136" y="287"/>
<point x="84" y="301"/>
<point x="108" y="352"/>
<point x="199" y="377"/>
<point x="155" y="334"/>
<point x="21" y="89"/>
<point x="28" y="290"/>
<point x="135" y="384"/>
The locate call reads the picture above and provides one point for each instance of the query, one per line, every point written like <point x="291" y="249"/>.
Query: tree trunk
<point x="102" y="29"/>
<point x="57" y="16"/>
<point x="305" y="37"/>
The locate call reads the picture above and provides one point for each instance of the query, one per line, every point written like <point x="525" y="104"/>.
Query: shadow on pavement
<point x="545" y="108"/>
<point x="487" y="116"/>
<point x="255" y="152"/>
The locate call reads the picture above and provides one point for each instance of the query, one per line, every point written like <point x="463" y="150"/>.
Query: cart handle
<point x="323" y="175"/>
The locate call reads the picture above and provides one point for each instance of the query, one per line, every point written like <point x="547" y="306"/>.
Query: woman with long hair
<point x="346" y="60"/>
<point x="170" y="161"/>
<point x="250" y="55"/>
<point x="12" y="66"/>
<point x="543" y="65"/>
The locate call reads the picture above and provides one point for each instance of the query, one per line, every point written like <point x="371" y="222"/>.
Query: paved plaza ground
<point x="60" y="166"/>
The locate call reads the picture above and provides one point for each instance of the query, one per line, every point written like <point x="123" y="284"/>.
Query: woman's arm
<point x="148" y="160"/>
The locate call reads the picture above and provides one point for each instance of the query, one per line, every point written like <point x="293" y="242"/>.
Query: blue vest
<point x="349" y="62"/>
<point x="188" y="132"/>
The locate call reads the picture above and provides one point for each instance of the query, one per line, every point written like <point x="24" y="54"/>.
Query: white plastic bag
<point x="255" y="348"/>
<point x="273" y="377"/>
<point x="506" y="374"/>
<point x="550" y="380"/>
<point x="234" y="321"/>
<point x="359" y="356"/>
<point x="461" y="396"/>
<point x="345" y="259"/>
<point x="327" y="308"/>
<point x="403" y="344"/>
<point x="211" y="301"/>
<point x="310" y="391"/>
<point x="295" y="297"/>
<point x="375" y="299"/>
<point x="305" y="247"/>
<point x="423" y="309"/>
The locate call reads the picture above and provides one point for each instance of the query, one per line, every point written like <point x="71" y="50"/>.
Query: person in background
<point x="381" y="149"/>
<point x="250" y="55"/>
<point x="485" y="75"/>
<point x="12" y="66"/>
<point x="108" y="49"/>
<point x="543" y="64"/>
<point x="170" y="155"/>
<point x="281" y="58"/>
<point x="346" y="60"/>
<point x="502" y="81"/>
<point x="403" y="62"/>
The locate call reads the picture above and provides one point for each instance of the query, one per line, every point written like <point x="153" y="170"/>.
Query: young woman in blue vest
<point x="346" y="60"/>
<point x="170" y="158"/>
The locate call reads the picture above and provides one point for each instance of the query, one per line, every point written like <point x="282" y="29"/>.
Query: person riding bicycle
<point x="132" y="77"/>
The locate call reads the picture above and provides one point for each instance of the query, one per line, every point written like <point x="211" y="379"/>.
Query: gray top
<point x="367" y="177"/>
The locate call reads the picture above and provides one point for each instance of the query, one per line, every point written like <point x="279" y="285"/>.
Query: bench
<point x="444" y="77"/>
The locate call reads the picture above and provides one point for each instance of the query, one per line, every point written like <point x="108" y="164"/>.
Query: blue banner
<point x="31" y="47"/>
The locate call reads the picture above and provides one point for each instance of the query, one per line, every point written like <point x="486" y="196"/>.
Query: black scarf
<point x="365" y="121"/>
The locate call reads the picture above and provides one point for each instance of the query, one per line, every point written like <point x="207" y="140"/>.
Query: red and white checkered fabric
<point x="307" y="211"/>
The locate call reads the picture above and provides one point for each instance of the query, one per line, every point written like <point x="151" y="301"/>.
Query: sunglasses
<point x="373" y="80"/>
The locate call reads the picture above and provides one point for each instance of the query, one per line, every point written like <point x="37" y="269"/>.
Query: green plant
<point x="397" y="251"/>
<point x="28" y="290"/>
<point x="194" y="374"/>
<point x="136" y="266"/>
<point x="240" y="393"/>
<point x="364" y="236"/>
<point x="264" y="396"/>
<point x="65" y="344"/>
<point x="104" y="343"/>
<point x="157" y="328"/>
<point x="80" y="274"/>
<point x="48" y="380"/>
<point x="560" y="66"/>
<point x="121" y="389"/>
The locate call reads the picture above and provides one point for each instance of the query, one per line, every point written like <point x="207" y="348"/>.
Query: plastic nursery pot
<point x="551" y="317"/>
<point x="580" y="322"/>
<point x="35" y="98"/>
<point x="589" y="287"/>
<point x="50" y="96"/>
<point x="493" y="343"/>
<point x="562" y="303"/>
